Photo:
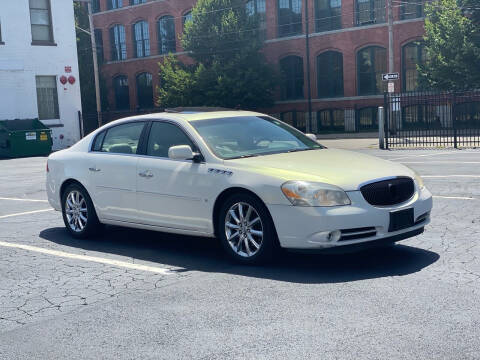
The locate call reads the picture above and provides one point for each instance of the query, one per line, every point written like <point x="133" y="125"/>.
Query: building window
<point x="413" y="54"/>
<point x="411" y="9"/>
<point x="40" y="19"/>
<point x="95" y="6"/>
<point x="369" y="12"/>
<point x="257" y="8"/>
<point x="117" y="41"/>
<point x="187" y="17"/>
<point x="289" y="17"/>
<point x="144" y="91"/>
<point x="47" y="97"/>
<point x="141" y="39"/>
<point x="114" y="4"/>
<point x="367" y="119"/>
<point x="330" y="74"/>
<point x="295" y="118"/>
<point x="328" y="15"/>
<point x="292" y="69"/>
<point x="122" y="97"/>
<point x="137" y="2"/>
<point x="166" y="35"/>
<point x="331" y="120"/>
<point x="467" y="115"/>
<point x="99" y="43"/>
<point x="371" y="64"/>
<point x="420" y="116"/>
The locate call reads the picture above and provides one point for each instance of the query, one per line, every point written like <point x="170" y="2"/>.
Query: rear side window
<point x="123" y="139"/>
<point x="165" y="135"/>
<point x="97" y="143"/>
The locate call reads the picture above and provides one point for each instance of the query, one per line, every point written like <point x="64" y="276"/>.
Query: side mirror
<point x="180" y="152"/>
<point x="312" y="137"/>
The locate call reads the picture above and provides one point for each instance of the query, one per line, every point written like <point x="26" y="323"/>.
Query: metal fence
<point x="432" y="119"/>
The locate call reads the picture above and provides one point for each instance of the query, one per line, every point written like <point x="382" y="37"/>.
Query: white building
<point x="38" y="51"/>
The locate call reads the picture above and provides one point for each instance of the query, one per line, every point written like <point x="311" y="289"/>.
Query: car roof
<point x="191" y="116"/>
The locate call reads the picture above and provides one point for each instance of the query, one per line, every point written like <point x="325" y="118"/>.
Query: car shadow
<point x="205" y="254"/>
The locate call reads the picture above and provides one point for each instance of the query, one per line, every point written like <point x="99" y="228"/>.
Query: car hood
<point x="346" y="169"/>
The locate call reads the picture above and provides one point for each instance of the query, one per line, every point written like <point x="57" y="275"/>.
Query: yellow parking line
<point x="24" y="213"/>
<point x="123" y="264"/>
<point x="18" y="199"/>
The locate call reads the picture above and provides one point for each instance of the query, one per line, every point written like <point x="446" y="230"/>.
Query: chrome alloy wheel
<point x="244" y="229"/>
<point x="76" y="211"/>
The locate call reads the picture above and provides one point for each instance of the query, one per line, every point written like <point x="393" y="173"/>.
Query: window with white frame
<point x="47" y="97"/>
<point x="41" y="22"/>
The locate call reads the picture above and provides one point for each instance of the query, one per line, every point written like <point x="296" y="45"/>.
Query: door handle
<point x="94" y="169"/>
<point x="146" y="174"/>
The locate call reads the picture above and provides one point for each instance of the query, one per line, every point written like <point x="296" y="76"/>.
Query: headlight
<point x="303" y="193"/>
<point x="418" y="180"/>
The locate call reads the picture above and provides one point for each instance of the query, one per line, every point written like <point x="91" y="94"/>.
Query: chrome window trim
<point x="146" y="121"/>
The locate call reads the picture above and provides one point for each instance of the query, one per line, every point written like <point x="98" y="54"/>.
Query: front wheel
<point x="246" y="229"/>
<point x="78" y="212"/>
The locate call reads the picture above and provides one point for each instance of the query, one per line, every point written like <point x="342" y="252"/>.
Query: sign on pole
<point x="391" y="87"/>
<point x="390" y="76"/>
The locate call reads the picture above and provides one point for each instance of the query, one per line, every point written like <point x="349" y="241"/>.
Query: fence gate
<point x="432" y="119"/>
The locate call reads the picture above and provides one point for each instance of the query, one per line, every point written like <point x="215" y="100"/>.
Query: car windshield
<point x="247" y="136"/>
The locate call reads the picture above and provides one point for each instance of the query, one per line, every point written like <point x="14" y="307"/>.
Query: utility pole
<point x="307" y="45"/>
<point x="95" y="59"/>
<point x="390" y="37"/>
<point x="390" y="116"/>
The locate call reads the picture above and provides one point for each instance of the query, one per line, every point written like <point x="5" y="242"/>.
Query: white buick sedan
<point x="250" y="180"/>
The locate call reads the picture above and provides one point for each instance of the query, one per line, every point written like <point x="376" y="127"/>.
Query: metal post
<point x="390" y="38"/>
<point x="95" y="64"/>
<point x="381" y="128"/>
<point x="386" y="118"/>
<point x="307" y="45"/>
<point x="80" y="124"/>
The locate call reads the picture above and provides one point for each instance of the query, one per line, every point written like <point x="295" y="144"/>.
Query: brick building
<point x="348" y="53"/>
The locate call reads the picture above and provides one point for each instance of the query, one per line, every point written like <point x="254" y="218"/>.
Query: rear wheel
<point x="78" y="212"/>
<point x="246" y="229"/>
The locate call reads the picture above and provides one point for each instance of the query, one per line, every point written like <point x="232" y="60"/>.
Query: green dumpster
<point x="26" y="137"/>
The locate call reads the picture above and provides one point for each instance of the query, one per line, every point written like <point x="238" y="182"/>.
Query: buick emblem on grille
<point x="392" y="189"/>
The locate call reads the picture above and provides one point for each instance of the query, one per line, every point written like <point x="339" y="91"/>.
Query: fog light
<point x="334" y="235"/>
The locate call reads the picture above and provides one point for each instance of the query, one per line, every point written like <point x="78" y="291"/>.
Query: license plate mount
<point x="401" y="219"/>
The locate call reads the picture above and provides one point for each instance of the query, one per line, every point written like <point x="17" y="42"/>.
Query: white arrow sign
<point x="390" y="76"/>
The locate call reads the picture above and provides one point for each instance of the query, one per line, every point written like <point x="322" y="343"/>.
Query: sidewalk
<point x="350" y="144"/>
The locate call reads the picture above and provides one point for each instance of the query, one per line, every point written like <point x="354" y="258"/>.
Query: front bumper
<point x="308" y="227"/>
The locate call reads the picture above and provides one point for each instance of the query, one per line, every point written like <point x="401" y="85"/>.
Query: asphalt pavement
<point x="133" y="294"/>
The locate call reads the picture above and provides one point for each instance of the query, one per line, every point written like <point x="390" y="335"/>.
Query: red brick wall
<point x="348" y="41"/>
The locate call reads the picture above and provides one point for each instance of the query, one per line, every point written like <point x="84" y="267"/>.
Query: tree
<point x="230" y="70"/>
<point x="452" y="48"/>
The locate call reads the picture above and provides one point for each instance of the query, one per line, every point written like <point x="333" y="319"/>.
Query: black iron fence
<point x="432" y="119"/>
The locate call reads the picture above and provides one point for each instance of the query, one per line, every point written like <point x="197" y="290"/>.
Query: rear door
<point x="114" y="172"/>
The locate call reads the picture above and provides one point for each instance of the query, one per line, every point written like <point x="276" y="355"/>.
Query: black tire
<point x="269" y="241"/>
<point x="91" y="225"/>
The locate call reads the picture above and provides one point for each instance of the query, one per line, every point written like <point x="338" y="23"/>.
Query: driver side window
<point x="164" y="135"/>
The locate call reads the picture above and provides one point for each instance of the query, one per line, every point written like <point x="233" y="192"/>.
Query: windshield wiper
<point x="243" y="156"/>
<point x="296" y="150"/>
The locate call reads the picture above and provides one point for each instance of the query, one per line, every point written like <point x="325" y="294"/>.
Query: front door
<point x="114" y="172"/>
<point x="171" y="193"/>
